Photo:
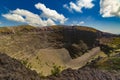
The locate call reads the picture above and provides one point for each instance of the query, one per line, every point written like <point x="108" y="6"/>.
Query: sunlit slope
<point x="40" y="48"/>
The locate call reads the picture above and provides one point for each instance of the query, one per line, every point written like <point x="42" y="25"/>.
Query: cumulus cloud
<point x="49" y="13"/>
<point x="79" y="4"/>
<point x="67" y="7"/>
<point x="110" y="8"/>
<point x="50" y="22"/>
<point x="22" y="15"/>
<point x="14" y="17"/>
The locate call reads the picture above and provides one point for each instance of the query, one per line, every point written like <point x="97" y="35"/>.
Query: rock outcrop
<point x="11" y="69"/>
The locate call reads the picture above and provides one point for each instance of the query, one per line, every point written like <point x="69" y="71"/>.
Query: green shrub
<point x="24" y="62"/>
<point x="56" y="70"/>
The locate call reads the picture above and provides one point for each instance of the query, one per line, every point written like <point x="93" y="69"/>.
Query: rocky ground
<point x="11" y="69"/>
<point x="85" y="74"/>
<point x="49" y="50"/>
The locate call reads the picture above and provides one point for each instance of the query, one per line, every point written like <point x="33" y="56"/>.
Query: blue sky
<point x="100" y="14"/>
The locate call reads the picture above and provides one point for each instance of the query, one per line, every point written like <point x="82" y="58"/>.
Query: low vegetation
<point x="56" y="70"/>
<point x="111" y="63"/>
<point x="26" y="63"/>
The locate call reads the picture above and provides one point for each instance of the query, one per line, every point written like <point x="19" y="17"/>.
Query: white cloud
<point x="50" y="22"/>
<point x="110" y="8"/>
<point x="50" y="16"/>
<point x="0" y="22"/>
<point x="21" y="15"/>
<point x="78" y="23"/>
<point x="67" y="7"/>
<point x="49" y="13"/>
<point x="14" y="17"/>
<point x="79" y="4"/>
<point x="81" y="23"/>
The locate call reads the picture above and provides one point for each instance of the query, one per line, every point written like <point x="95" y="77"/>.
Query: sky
<point x="100" y="14"/>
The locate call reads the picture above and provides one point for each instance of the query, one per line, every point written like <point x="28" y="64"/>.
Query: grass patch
<point x="111" y="63"/>
<point x="56" y="70"/>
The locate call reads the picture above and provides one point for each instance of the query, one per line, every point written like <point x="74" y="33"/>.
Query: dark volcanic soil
<point x="11" y="69"/>
<point x="85" y="74"/>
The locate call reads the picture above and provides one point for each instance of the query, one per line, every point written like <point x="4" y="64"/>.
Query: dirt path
<point x="80" y="61"/>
